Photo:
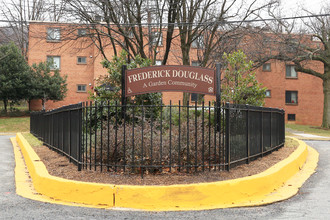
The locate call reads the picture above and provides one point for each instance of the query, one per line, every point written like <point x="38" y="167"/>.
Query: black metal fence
<point x="61" y="130"/>
<point x="152" y="139"/>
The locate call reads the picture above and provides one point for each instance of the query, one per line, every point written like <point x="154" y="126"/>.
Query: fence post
<point x="80" y="141"/>
<point x="247" y="134"/>
<point x="228" y="135"/>
<point x="62" y="131"/>
<point x="70" y="135"/>
<point x="283" y="121"/>
<point x="271" y="129"/>
<point x="262" y="133"/>
<point x="95" y="136"/>
<point x="49" y="133"/>
<point x="278" y="128"/>
<point x="41" y="129"/>
<point x="31" y="123"/>
<point x="218" y="94"/>
<point x="52" y="130"/>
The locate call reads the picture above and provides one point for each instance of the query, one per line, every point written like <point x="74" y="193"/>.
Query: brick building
<point x="301" y="95"/>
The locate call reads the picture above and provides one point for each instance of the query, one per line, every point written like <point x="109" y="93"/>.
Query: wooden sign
<point x="170" y="78"/>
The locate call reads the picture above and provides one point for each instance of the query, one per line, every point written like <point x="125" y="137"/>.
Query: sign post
<point x="218" y="94"/>
<point x="123" y="90"/>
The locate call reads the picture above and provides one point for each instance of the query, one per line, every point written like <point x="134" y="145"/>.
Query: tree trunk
<point x="185" y="61"/>
<point x="5" y="104"/>
<point x="43" y="101"/>
<point x="326" y="104"/>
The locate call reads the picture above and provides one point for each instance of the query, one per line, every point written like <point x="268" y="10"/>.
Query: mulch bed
<point x="60" y="166"/>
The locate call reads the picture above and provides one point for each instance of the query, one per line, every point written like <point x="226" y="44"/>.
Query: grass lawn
<point x="309" y="129"/>
<point x="14" y="124"/>
<point x="33" y="141"/>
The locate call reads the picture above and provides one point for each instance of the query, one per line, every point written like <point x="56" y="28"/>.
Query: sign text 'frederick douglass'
<point x="170" y="78"/>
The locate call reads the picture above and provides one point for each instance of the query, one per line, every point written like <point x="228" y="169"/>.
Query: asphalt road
<point x="312" y="202"/>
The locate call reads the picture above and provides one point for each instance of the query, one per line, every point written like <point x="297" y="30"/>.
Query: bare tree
<point x="135" y="26"/>
<point x="18" y="13"/>
<point x="208" y="26"/>
<point x="139" y="26"/>
<point x="300" y="41"/>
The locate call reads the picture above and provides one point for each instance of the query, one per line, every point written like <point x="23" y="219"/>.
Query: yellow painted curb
<point x="24" y="185"/>
<point x="62" y="189"/>
<point x="259" y="189"/>
<point x="230" y="193"/>
<point x="291" y="187"/>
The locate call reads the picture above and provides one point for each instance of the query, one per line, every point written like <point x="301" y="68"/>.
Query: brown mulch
<point x="60" y="166"/>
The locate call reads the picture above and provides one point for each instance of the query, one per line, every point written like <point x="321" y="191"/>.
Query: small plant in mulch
<point x="154" y="145"/>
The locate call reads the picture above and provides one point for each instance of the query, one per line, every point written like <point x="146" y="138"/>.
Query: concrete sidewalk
<point x="311" y="136"/>
<point x="306" y="136"/>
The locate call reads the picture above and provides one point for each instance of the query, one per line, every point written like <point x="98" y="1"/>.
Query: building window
<point x="158" y="62"/>
<point x="156" y="37"/>
<point x="81" y="88"/>
<point x="266" y="40"/>
<point x="54" y="61"/>
<point x="194" y="97"/>
<point x="267" y="93"/>
<point x="291" y="117"/>
<point x="290" y="71"/>
<point x="81" y="60"/>
<point x="291" y="97"/>
<point x="82" y="32"/>
<point x="131" y="34"/>
<point x="315" y="38"/>
<point x="198" y="42"/>
<point x="98" y="18"/>
<point x="53" y="34"/>
<point x="195" y="63"/>
<point x="266" y="67"/>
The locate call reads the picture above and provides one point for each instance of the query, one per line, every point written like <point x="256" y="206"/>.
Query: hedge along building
<point x="76" y="56"/>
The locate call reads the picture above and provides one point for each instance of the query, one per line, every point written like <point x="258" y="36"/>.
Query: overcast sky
<point x="291" y="7"/>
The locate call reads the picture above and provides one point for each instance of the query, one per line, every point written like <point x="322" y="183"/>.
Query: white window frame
<point x="266" y="67"/>
<point x="155" y="35"/>
<point x="293" y="98"/>
<point x="198" y="42"/>
<point x="195" y="63"/>
<point x="268" y="93"/>
<point x="53" y="34"/>
<point x="315" y="39"/>
<point x="82" y="32"/>
<point x="131" y="34"/>
<point x="292" y="73"/>
<point x="158" y="63"/>
<point x="81" y="57"/>
<point x="83" y="88"/>
<point x="294" y="116"/>
<point x="55" y="62"/>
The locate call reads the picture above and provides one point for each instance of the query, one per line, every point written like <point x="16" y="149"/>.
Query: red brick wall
<point x="40" y="48"/>
<point x="310" y="93"/>
<point x="309" y="109"/>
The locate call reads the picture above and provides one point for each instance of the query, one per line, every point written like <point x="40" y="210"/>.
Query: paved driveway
<point x="312" y="202"/>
